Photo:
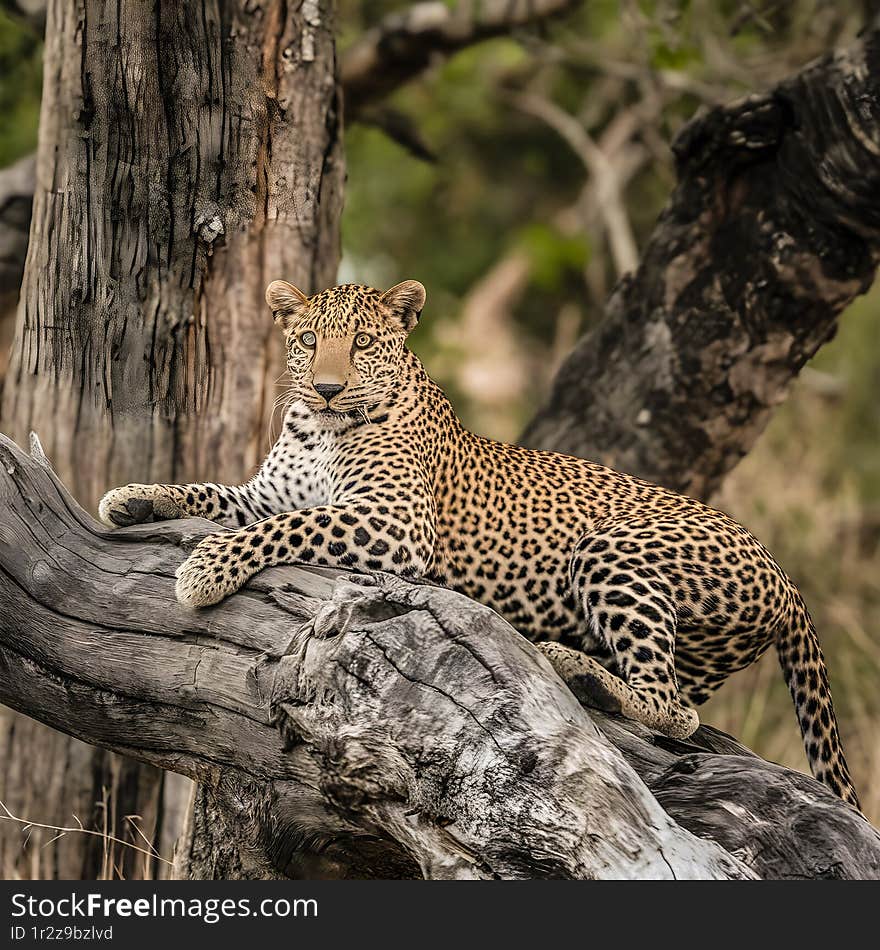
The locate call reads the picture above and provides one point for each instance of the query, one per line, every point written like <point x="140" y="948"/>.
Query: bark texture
<point x="773" y="228"/>
<point x="178" y="172"/>
<point x="366" y="726"/>
<point x="188" y="154"/>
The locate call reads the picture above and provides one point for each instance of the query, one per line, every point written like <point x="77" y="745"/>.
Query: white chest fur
<point x="308" y="465"/>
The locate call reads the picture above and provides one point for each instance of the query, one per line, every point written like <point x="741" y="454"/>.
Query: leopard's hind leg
<point x="630" y="609"/>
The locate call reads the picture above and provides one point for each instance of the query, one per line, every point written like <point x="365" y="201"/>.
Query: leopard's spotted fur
<point x="651" y="599"/>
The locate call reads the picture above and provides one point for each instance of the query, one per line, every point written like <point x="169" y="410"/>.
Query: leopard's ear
<point x="404" y="303"/>
<point x="288" y="303"/>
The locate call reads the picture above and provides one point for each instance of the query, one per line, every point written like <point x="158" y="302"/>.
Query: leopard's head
<point x="345" y="344"/>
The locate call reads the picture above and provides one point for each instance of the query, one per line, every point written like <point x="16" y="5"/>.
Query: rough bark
<point x="773" y="228"/>
<point x="188" y="154"/>
<point x="177" y="173"/>
<point x="367" y="726"/>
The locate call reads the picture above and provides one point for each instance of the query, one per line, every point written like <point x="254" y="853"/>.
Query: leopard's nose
<point x="328" y="390"/>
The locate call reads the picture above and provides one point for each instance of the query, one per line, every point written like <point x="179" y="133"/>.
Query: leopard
<point x="644" y="600"/>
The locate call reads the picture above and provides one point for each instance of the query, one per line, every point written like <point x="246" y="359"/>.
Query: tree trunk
<point x="188" y="154"/>
<point x="773" y="228"/>
<point x="331" y="746"/>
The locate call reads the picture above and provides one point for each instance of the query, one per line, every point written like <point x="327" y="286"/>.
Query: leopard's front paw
<point x="681" y="721"/>
<point x="210" y="573"/>
<point x="135" y="504"/>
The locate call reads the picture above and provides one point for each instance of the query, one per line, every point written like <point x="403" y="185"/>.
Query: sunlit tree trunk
<point x="188" y="154"/>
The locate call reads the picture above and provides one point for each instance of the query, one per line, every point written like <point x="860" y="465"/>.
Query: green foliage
<point x="20" y="83"/>
<point x="679" y="58"/>
<point x="553" y="255"/>
<point x="449" y="221"/>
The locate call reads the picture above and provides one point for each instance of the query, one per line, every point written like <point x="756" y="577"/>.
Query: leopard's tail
<point x="807" y="676"/>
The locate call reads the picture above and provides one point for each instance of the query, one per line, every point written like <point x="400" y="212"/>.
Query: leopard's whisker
<point x="283" y="400"/>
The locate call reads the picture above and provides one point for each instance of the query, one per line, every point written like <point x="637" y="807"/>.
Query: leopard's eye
<point x="308" y="339"/>
<point x="362" y="340"/>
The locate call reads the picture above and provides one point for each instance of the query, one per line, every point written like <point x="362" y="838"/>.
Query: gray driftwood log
<point x="366" y="726"/>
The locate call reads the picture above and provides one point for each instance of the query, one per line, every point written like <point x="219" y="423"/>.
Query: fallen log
<point x="362" y="725"/>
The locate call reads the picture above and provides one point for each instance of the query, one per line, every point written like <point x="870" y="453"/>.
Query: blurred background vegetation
<point x="20" y="80"/>
<point x="517" y="180"/>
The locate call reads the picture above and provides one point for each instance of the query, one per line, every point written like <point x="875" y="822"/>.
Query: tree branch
<point x="304" y="706"/>
<point x="406" y="42"/>
<point x="607" y="179"/>
<point x="772" y="230"/>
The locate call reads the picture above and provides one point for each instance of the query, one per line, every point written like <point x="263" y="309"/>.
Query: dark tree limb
<point x="368" y="726"/>
<point x="406" y="42"/>
<point x="772" y="230"/>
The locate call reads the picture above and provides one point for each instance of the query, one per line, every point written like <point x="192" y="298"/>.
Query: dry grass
<point x="794" y="494"/>
<point x="33" y="832"/>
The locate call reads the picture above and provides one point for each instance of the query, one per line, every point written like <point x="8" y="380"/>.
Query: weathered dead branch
<point x="363" y="725"/>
